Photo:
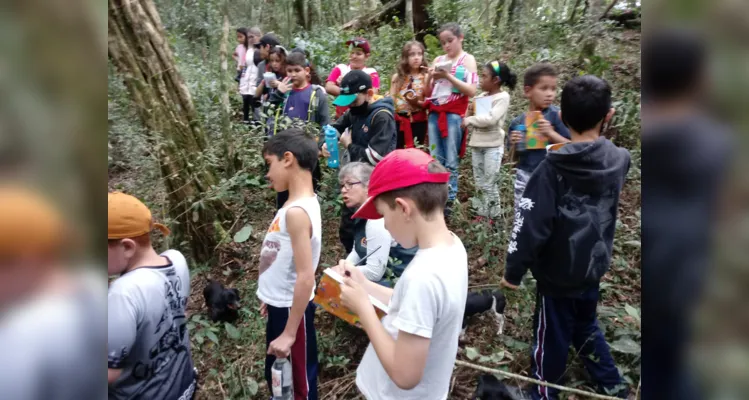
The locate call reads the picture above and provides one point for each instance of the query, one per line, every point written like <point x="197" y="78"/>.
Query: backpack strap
<point x="313" y="102"/>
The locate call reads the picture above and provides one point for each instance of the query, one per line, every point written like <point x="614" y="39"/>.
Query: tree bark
<point x="499" y="12"/>
<point x="595" y="29"/>
<point x="410" y="15"/>
<point x="232" y="162"/>
<point x="140" y="52"/>
<point x="605" y="13"/>
<point x="574" y="11"/>
<point x="373" y="18"/>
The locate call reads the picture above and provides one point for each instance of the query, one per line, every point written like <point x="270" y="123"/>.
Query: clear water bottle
<point x="281" y="377"/>
<point x="520" y="146"/>
<point x="331" y="140"/>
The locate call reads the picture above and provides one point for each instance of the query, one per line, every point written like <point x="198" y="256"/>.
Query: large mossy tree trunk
<point x="139" y="50"/>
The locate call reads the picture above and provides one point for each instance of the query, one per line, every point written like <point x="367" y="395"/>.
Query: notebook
<point x="328" y="297"/>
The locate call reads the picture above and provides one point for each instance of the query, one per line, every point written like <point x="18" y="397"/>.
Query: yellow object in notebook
<point x="328" y="297"/>
<point x="534" y="140"/>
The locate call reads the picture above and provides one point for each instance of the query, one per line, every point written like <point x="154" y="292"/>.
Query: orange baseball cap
<point x="128" y="217"/>
<point x="29" y="224"/>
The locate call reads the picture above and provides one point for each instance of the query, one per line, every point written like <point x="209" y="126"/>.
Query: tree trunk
<point x="140" y="52"/>
<point x="373" y="18"/>
<point x="595" y="29"/>
<point x="232" y="162"/>
<point x="574" y="11"/>
<point x="498" y="13"/>
<point x="605" y="13"/>
<point x="410" y="15"/>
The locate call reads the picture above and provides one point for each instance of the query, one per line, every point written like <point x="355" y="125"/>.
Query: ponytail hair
<point x="299" y="57"/>
<point x="506" y="77"/>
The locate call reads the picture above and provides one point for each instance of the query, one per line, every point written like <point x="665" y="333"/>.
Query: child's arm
<point x="498" y="110"/>
<point x="467" y="88"/>
<point x="403" y="359"/>
<point x="375" y="82"/>
<point x="393" y="89"/>
<point x="377" y="236"/>
<point x="554" y="129"/>
<point x="533" y="224"/>
<point x="299" y="227"/>
<point x="122" y="325"/>
<point x="260" y="89"/>
<point x="331" y="86"/>
<point x="381" y="134"/>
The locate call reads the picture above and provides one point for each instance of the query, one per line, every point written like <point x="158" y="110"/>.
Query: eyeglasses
<point x="349" y="185"/>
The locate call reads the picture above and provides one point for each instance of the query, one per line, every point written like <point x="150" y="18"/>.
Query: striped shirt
<point x="442" y="92"/>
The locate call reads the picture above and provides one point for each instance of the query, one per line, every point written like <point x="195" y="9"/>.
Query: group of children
<point x="565" y="215"/>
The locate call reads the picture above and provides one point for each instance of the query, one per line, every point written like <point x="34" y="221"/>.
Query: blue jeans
<point x="446" y="149"/>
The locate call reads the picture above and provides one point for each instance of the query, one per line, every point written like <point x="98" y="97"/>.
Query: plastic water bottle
<point x="520" y="146"/>
<point x="460" y="72"/>
<point x="331" y="140"/>
<point x="281" y="378"/>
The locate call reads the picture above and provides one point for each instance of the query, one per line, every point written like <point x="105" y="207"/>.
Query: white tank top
<point x="277" y="268"/>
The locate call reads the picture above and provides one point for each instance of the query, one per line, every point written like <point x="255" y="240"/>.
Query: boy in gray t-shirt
<point x="148" y="347"/>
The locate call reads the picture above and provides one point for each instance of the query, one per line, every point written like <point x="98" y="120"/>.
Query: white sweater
<point x="486" y="130"/>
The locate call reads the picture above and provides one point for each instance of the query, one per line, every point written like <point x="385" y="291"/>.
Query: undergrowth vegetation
<point x="230" y="358"/>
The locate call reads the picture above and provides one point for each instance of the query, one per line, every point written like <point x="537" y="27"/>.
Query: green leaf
<point x="243" y="234"/>
<point x="231" y="330"/>
<point x="472" y="353"/>
<point x="633" y="312"/>
<point x="626" y="345"/>
<point x="252" y="386"/>
<point x="199" y="339"/>
<point x="212" y="336"/>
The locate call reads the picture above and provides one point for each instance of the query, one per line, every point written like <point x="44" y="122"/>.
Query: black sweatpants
<point x="563" y="321"/>
<point x="419" y="130"/>
<point x="247" y="102"/>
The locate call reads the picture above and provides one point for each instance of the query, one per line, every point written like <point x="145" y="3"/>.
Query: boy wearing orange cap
<point x="148" y="347"/>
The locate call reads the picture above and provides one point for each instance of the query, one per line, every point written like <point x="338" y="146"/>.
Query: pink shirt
<point x="240" y="51"/>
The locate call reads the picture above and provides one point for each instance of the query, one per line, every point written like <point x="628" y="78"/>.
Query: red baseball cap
<point x="398" y="170"/>
<point x="361" y="43"/>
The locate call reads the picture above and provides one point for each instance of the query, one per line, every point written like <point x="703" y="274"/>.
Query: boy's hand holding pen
<point x="353" y="294"/>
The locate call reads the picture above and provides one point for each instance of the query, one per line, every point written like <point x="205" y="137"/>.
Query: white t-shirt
<point x="429" y="301"/>
<point x="248" y="80"/>
<point x="277" y="269"/>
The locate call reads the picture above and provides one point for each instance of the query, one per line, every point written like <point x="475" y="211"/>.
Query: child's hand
<point x="274" y="83"/>
<point x="283" y="86"/>
<point x="543" y="127"/>
<point x="354" y="296"/>
<point x="324" y="150"/>
<point x="440" y="74"/>
<point x="504" y="283"/>
<point x="346" y="139"/>
<point x="263" y="310"/>
<point x="465" y="123"/>
<point x="281" y="347"/>
<point x="348" y="270"/>
<point x="516" y="137"/>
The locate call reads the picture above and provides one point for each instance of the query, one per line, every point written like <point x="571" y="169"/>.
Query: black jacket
<point x="373" y="135"/>
<point x="565" y="222"/>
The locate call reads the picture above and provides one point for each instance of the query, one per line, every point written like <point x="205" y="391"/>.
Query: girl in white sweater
<point x="487" y="136"/>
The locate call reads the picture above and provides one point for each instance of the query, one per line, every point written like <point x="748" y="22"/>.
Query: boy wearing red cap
<point x="148" y="347"/>
<point x="358" y="57"/>
<point x="413" y="349"/>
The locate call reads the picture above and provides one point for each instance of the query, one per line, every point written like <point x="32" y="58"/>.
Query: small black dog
<point x="490" y="388"/>
<point x="482" y="301"/>
<point x="222" y="303"/>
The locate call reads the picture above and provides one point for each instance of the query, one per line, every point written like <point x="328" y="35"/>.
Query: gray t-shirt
<point x="148" y="337"/>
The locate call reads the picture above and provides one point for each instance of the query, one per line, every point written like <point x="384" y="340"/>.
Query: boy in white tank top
<point x="289" y="258"/>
